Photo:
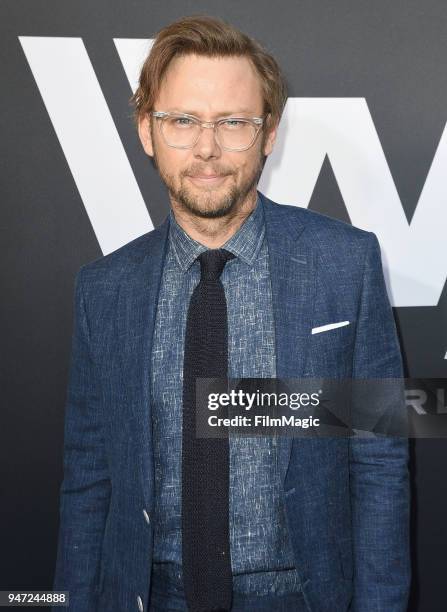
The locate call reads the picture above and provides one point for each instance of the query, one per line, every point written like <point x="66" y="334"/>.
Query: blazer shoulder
<point x="332" y="238"/>
<point x="109" y="268"/>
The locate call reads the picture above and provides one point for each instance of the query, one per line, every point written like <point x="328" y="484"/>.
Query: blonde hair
<point x="211" y="37"/>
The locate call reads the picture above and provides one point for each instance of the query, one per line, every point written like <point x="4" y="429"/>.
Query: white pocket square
<point x="323" y="328"/>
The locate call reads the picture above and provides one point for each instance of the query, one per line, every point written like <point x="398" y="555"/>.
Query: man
<point x="148" y="512"/>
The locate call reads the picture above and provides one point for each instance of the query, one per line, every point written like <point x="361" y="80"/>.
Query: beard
<point x="208" y="203"/>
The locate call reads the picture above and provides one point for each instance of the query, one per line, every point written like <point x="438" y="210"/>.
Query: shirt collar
<point x="245" y="243"/>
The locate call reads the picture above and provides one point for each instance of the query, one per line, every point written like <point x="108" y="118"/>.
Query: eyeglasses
<point x="232" y="133"/>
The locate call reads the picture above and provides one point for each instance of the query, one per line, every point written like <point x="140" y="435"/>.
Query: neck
<point x="213" y="233"/>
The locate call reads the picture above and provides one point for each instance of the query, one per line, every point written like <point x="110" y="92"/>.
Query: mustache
<point x="207" y="170"/>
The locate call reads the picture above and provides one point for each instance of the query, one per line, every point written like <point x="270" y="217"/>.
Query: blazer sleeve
<point x="379" y="479"/>
<point x="85" y="489"/>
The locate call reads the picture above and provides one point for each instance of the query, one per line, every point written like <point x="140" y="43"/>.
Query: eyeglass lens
<point x="185" y="131"/>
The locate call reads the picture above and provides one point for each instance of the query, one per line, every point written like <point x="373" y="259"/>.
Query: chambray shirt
<point x="262" y="559"/>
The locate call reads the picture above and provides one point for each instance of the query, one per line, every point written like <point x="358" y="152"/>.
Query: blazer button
<point x="140" y="603"/>
<point x="146" y="516"/>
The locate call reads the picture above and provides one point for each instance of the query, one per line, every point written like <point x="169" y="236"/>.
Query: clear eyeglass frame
<point x="256" y="122"/>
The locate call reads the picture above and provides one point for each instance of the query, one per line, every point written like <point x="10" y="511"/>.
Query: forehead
<point x="210" y="86"/>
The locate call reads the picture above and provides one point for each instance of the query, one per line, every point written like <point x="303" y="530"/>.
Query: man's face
<point x="208" y="88"/>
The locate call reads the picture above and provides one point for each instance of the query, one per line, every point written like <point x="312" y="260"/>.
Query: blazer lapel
<point x="135" y="321"/>
<point x="292" y="272"/>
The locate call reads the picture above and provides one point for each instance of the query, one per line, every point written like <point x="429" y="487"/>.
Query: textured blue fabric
<point x="261" y="553"/>
<point x="167" y="595"/>
<point x="346" y="500"/>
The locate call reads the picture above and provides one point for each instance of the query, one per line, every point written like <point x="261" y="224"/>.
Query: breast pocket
<point x="331" y="349"/>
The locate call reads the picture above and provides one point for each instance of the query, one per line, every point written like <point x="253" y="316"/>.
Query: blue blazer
<point x="347" y="500"/>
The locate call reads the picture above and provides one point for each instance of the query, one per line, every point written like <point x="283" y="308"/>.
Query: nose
<point x="206" y="147"/>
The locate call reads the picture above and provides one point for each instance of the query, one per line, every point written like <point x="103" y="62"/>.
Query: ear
<point x="271" y="131"/>
<point x="144" y="132"/>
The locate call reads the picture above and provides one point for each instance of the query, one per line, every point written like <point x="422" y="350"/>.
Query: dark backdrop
<point x="390" y="53"/>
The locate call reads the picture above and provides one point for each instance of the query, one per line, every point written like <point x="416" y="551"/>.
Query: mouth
<point x="208" y="179"/>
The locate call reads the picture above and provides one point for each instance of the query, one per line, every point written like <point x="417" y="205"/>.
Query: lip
<point x="206" y="179"/>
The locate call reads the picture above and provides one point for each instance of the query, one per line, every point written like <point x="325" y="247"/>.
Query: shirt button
<point x="146" y="516"/>
<point x="140" y="603"/>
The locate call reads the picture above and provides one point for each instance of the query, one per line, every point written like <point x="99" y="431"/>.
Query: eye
<point x="233" y="123"/>
<point x="182" y="121"/>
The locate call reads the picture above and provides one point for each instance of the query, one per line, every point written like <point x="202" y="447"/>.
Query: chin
<point x="208" y="212"/>
<point x="208" y="204"/>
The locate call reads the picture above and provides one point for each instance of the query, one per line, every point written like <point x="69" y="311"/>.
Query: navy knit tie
<point x="206" y="558"/>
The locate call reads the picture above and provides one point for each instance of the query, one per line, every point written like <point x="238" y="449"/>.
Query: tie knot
<point x="212" y="263"/>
